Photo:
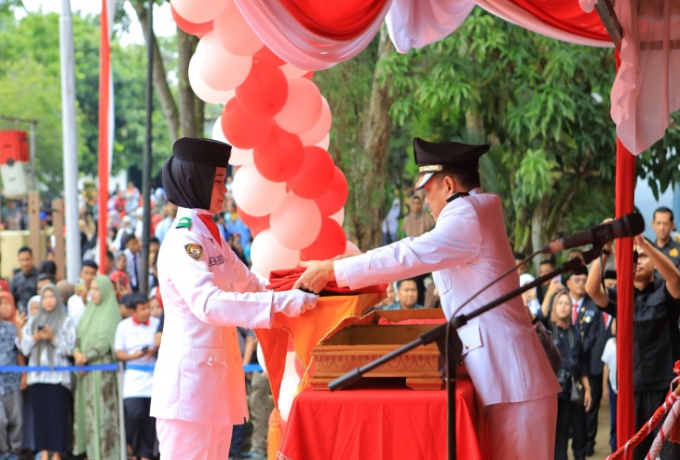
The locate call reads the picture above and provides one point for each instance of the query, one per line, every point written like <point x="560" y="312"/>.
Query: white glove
<point x="293" y="303"/>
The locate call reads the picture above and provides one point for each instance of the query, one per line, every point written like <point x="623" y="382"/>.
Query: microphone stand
<point x="452" y="350"/>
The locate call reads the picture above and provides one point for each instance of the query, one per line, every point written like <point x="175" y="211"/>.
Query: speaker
<point x="13" y="147"/>
<point x="15" y="166"/>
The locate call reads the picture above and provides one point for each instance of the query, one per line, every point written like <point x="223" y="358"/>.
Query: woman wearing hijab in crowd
<point x="11" y="383"/>
<point x="20" y="321"/>
<point x="97" y="430"/>
<point x="199" y="384"/>
<point x="66" y="290"/>
<point x="48" y="340"/>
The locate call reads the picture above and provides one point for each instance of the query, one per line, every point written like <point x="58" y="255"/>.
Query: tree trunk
<point x="367" y="173"/>
<point x="191" y="108"/>
<point x="539" y="220"/>
<point x="160" y="82"/>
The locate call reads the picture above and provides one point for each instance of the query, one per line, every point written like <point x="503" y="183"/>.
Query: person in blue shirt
<point x="407" y="296"/>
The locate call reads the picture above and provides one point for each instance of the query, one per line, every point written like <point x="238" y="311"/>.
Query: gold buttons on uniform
<point x="467" y="346"/>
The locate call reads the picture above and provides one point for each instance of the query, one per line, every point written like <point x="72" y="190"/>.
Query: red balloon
<point x="241" y="129"/>
<point x="334" y="199"/>
<point x="330" y="242"/>
<point x="255" y="224"/>
<point x="190" y="27"/>
<point x="267" y="56"/>
<point x="264" y="92"/>
<point x="309" y="75"/>
<point x="280" y="157"/>
<point x="316" y="175"/>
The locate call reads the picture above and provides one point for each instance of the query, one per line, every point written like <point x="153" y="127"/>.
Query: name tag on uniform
<point x="215" y="260"/>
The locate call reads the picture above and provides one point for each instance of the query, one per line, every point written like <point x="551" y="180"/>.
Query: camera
<point x="40" y="328"/>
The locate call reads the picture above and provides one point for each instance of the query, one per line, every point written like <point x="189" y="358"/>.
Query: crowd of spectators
<point x="100" y="319"/>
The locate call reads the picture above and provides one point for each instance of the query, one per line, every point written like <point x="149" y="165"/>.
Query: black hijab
<point x="189" y="173"/>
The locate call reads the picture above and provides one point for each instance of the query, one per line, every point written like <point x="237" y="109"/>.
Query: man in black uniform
<point x="656" y="338"/>
<point x="663" y="225"/>
<point x="24" y="283"/>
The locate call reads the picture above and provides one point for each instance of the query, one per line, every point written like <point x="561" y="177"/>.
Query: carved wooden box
<point x="365" y="341"/>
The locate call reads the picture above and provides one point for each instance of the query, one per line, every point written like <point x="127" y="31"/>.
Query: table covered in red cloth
<point x="381" y="424"/>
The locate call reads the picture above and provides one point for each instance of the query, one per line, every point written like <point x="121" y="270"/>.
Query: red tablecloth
<point x="381" y="424"/>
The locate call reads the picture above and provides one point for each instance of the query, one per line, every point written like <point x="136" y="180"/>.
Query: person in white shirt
<point x="611" y="388"/>
<point x="76" y="303"/>
<point x="134" y="344"/>
<point x="48" y="340"/>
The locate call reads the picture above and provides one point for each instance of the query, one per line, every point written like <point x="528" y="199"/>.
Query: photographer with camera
<point x="572" y="376"/>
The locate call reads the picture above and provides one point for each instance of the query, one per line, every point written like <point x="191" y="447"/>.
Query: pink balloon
<point x="321" y="128"/>
<point x="268" y="254"/>
<point x="280" y="157"/>
<point x="234" y="33"/>
<point x="256" y="195"/>
<point x="316" y="174"/>
<point x="325" y="142"/>
<point x="242" y="129"/>
<point x="339" y="216"/>
<point x="292" y="72"/>
<point x="203" y="91"/>
<point x="217" y="67"/>
<point x="334" y="199"/>
<point x="303" y="107"/>
<point x="199" y="11"/>
<point x="351" y="249"/>
<point x="264" y="92"/>
<point x="190" y="27"/>
<point x="296" y="222"/>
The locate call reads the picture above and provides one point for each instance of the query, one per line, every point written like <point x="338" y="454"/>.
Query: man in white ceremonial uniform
<point x="199" y="384"/>
<point x="467" y="249"/>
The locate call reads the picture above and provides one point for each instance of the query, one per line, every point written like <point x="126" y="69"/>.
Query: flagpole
<point x="70" y="154"/>
<point x="146" y="179"/>
<point x="103" y="170"/>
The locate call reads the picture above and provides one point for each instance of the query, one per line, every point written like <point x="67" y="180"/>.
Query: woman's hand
<point x="79" y="358"/>
<point x="20" y="321"/>
<point x="47" y="333"/>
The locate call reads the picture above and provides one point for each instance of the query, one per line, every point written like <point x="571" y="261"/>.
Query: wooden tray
<point x="366" y="341"/>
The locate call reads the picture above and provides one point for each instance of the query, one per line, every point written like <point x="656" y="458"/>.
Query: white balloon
<point x="199" y="11"/>
<point x="296" y="222"/>
<point x="240" y="156"/>
<point x="287" y="394"/>
<point x="325" y="142"/>
<point x="218" y="68"/>
<point x="217" y="133"/>
<point x="203" y="91"/>
<point x="256" y="195"/>
<point x="339" y="216"/>
<point x="291" y="72"/>
<point x="268" y="254"/>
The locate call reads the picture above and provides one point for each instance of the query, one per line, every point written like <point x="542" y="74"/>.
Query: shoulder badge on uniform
<point x="194" y="250"/>
<point x="184" y="222"/>
<point x="673" y="252"/>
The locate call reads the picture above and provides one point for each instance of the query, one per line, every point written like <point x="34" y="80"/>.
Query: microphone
<point x="629" y="225"/>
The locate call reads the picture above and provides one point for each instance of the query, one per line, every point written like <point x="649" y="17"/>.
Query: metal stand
<point x="451" y="346"/>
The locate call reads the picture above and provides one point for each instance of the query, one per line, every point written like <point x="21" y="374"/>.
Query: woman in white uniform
<point x="199" y="389"/>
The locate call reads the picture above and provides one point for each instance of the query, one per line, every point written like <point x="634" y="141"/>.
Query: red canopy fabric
<point x="567" y="15"/>
<point x="335" y="19"/>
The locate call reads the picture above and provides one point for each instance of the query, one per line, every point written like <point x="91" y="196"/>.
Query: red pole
<point x="625" y="202"/>
<point x="104" y="71"/>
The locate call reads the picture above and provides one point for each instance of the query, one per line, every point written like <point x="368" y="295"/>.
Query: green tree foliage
<point x="30" y="88"/>
<point x="542" y="105"/>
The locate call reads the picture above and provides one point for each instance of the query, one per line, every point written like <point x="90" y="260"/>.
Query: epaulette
<point x="184" y="222"/>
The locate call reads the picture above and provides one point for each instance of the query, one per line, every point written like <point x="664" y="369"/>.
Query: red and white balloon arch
<point x="287" y="189"/>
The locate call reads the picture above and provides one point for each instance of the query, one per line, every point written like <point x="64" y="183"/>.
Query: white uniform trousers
<point x="522" y="430"/>
<point x="182" y="440"/>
